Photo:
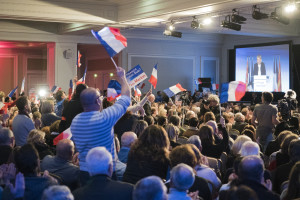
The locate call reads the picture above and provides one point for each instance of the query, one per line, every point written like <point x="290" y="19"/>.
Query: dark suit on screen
<point x="262" y="69"/>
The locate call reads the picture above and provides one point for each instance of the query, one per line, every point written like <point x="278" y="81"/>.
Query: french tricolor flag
<point x="71" y="89"/>
<point x="82" y="80"/>
<point x="66" y="134"/>
<point x="171" y="91"/>
<point x="137" y="92"/>
<point x="55" y="89"/>
<point x="113" y="90"/>
<point x="153" y="78"/>
<point x="12" y="92"/>
<point x="232" y="91"/>
<point x="111" y="39"/>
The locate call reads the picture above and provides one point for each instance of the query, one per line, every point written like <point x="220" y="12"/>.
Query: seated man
<point x="99" y="163"/>
<point x="127" y="139"/>
<point x="150" y="188"/>
<point x="57" y="192"/>
<point x="249" y="148"/>
<point x="182" y="178"/>
<point x="7" y="142"/>
<point x="239" y="122"/>
<point x="61" y="164"/>
<point x="192" y="130"/>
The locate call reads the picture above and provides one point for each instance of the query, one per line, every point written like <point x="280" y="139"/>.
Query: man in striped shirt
<point x="94" y="127"/>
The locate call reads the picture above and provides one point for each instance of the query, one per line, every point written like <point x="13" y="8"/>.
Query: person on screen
<point x="259" y="67"/>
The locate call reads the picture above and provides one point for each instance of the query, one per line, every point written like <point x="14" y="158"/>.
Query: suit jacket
<point x="262" y="70"/>
<point x="102" y="187"/>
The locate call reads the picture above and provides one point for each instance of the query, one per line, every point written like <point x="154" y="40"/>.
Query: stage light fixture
<point x="230" y="25"/>
<point x="279" y="17"/>
<point x="42" y="93"/>
<point x="207" y="21"/>
<point x="256" y="14"/>
<point x="290" y="7"/>
<point x="195" y="23"/>
<point x="236" y="18"/>
<point x="171" y="27"/>
<point x="172" y="33"/>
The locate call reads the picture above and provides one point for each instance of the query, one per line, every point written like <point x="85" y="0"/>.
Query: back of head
<point x="195" y="140"/>
<point x="212" y="124"/>
<point x="251" y="168"/>
<point x="47" y="107"/>
<point x="99" y="161"/>
<point x="59" y="95"/>
<point x="241" y="193"/>
<point x="190" y="114"/>
<point x="193" y="122"/>
<point x="268" y="97"/>
<point x="183" y="154"/>
<point x="249" y="133"/>
<point x="88" y="97"/>
<point x="294" y="150"/>
<point x="57" y="192"/>
<point x="182" y="177"/>
<point x="172" y="131"/>
<point x="21" y="103"/>
<point x="249" y="148"/>
<point x="128" y="138"/>
<point x="161" y="121"/>
<point x="206" y="134"/>
<point x="27" y="160"/>
<point x="282" y="126"/>
<point x="6" y="136"/>
<point x="150" y="188"/>
<point x="175" y="120"/>
<point x="239" y="117"/>
<point x="65" y="149"/>
<point x="237" y="145"/>
<point x="209" y="116"/>
<point x="79" y="89"/>
<point x="36" y="136"/>
<point x="149" y="120"/>
<point x="139" y="127"/>
<point x="286" y="143"/>
<point x="154" y="136"/>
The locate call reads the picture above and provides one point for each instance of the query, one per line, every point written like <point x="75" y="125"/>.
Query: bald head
<point x="151" y="98"/>
<point x="182" y="177"/>
<point x="128" y="139"/>
<point x="65" y="149"/>
<point x="251" y="168"/>
<point x="90" y="99"/>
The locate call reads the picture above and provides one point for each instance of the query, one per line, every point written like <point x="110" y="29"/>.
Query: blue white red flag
<point x="135" y="76"/>
<point x="55" y="89"/>
<point x="23" y="86"/>
<point x="232" y="91"/>
<point x="111" y="39"/>
<point x="215" y="86"/>
<point x="78" y="59"/>
<point x="153" y="78"/>
<point x="171" y="91"/>
<point x="71" y="89"/>
<point x="113" y="90"/>
<point x="82" y="80"/>
<point x="66" y="134"/>
<point x="137" y="92"/>
<point x="12" y="92"/>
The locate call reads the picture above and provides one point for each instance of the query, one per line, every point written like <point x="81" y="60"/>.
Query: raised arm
<point x="125" y="91"/>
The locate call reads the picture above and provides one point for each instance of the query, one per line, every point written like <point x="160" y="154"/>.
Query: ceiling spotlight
<point x="230" y="25"/>
<point x="236" y="18"/>
<point x="207" y="21"/>
<point x="279" y="17"/>
<point x="172" y="33"/>
<point x="195" y="23"/>
<point x="256" y="14"/>
<point x="291" y="7"/>
<point x="171" y="27"/>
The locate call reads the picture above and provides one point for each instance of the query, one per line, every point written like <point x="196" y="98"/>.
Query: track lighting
<point x="236" y="18"/>
<point x="230" y="25"/>
<point x="256" y="14"/>
<point x="279" y="17"/>
<point x="290" y="7"/>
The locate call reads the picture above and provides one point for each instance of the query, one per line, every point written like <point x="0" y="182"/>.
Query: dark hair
<point x="58" y="95"/>
<point x="209" y="116"/>
<point x="206" y="134"/>
<point x="294" y="150"/>
<point x="21" y="102"/>
<point x="293" y="191"/>
<point x="152" y="144"/>
<point x="250" y="127"/>
<point x="282" y="126"/>
<point x="106" y="103"/>
<point x="175" y="120"/>
<point x="241" y="193"/>
<point x="193" y="122"/>
<point x="79" y="89"/>
<point x="139" y="127"/>
<point x="161" y="121"/>
<point x="286" y="143"/>
<point x="268" y="97"/>
<point x="250" y="134"/>
<point x="183" y="154"/>
<point x="149" y="120"/>
<point x="27" y="160"/>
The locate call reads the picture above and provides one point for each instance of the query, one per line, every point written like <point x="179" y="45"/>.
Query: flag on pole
<point x="55" y="89"/>
<point x="66" y="134"/>
<point x="12" y="92"/>
<point x="153" y="78"/>
<point x="79" y="55"/>
<point x="232" y="91"/>
<point x="71" y="89"/>
<point x="171" y="91"/>
<point x="215" y="86"/>
<point x="82" y="80"/>
<point x="111" y="39"/>
<point x="137" y="92"/>
<point x="279" y="76"/>
<point x="23" y="86"/>
<point x="247" y="72"/>
<point x="275" y="86"/>
<point x="113" y="90"/>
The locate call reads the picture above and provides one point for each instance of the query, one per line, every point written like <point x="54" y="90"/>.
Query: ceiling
<point x="78" y="17"/>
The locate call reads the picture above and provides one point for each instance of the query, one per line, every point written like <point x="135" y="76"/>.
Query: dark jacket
<point x="239" y="126"/>
<point x="49" y="118"/>
<point x="280" y="175"/>
<point x="102" y="187"/>
<point x="261" y="191"/>
<point x="262" y="70"/>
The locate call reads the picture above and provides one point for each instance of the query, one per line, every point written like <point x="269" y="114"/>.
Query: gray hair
<point x="57" y="192"/>
<point x="213" y="97"/>
<point x="5" y="136"/>
<point x="182" y="177"/>
<point x="128" y="138"/>
<point x="239" y="117"/>
<point x="190" y="114"/>
<point x="237" y="145"/>
<point x="150" y="188"/>
<point x="249" y="148"/>
<point x="195" y="140"/>
<point x="99" y="161"/>
<point x="47" y="107"/>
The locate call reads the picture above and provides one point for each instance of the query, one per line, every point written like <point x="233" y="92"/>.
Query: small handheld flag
<point x="71" y="89"/>
<point x="137" y="92"/>
<point x="113" y="90"/>
<point x="232" y="91"/>
<point x="171" y="91"/>
<point x="82" y="80"/>
<point x="66" y="134"/>
<point x="153" y="78"/>
<point x="55" y="89"/>
<point x="78" y="59"/>
<point x="12" y="92"/>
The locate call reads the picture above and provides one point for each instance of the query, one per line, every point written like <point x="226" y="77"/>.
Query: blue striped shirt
<point x="94" y="129"/>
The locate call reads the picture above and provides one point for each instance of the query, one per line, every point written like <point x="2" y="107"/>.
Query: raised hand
<point x="19" y="189"/>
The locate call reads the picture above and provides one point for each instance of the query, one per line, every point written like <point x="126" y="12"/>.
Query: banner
<point x="135" y="76"/>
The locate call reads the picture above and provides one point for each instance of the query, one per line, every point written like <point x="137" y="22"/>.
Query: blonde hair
<point x="238" y="143"/>
<point x="213" y="97"/>
<point x="2" y="94"/>
<point x="36" y="136"/>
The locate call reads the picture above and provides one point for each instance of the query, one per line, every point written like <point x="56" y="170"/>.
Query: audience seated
<point x="37" y="139"/>
<point x="249" y="148"/>
<point x="57" y="192"/>
<point x="150" y="188"/>
<point x="139" y="127"/>
<point x="173" y="133"/>
<point x="240" y="123"/>
<point x="99" y="163"/>
<point x="292" y="191"/>
<point x="127" y="140"/>
<point x="192" y="130"/>
<point x="61" y="164"/>
<point x="7" y="142"/>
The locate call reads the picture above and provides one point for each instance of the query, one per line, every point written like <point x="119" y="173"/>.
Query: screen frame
<point x="289" y="42"/>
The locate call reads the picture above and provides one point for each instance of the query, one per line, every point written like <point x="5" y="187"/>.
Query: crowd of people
<point x="146" y="149"/>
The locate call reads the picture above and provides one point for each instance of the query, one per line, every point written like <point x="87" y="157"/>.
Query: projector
<point x="173" y="33"/>
<point x="259" y="15"/>
<point x="230" y="25"/>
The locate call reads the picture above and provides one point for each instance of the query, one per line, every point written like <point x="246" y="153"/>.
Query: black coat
<point x="104" y="188"/>
<point x="262" y="69"/>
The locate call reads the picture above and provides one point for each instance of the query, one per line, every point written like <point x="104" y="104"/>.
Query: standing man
<point x="259" y="67"/>
<point x="265" y="118"/>
<point x="94" y="127"/>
